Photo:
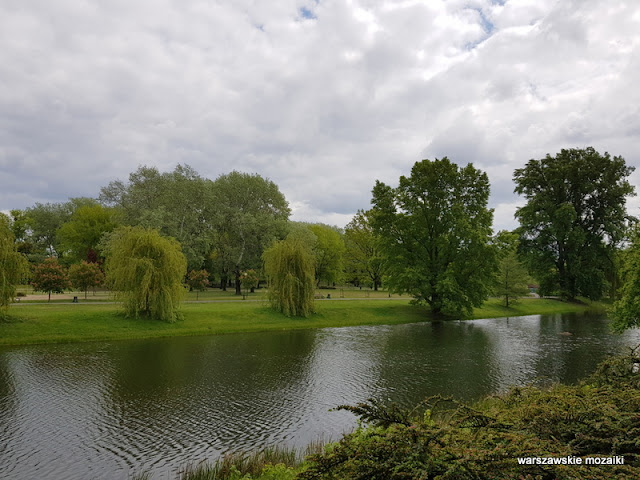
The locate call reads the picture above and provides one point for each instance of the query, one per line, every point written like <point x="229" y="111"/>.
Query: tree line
<point x="430" y="237"/>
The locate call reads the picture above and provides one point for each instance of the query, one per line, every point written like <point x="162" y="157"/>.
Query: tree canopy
<point x="80" y="235"/>
<point x="511" y="277"/>
<point x="363" y="257"/>
<point x="329" y="250"/>
<point x="626" y="311"/>
<point x="50" y="276"/>
<point x="147" y="270"/>
<point x="250" y="213"/>
<point x="177" y="204"/>
<point x="86" y="275"/>
<point x="13" y="265"/>
<point x="434" y="231"/>
<point x="574" y="218"/>
<point x="289" y="266"/>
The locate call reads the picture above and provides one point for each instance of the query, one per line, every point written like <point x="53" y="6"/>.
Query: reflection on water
<point x="106" y="410"/>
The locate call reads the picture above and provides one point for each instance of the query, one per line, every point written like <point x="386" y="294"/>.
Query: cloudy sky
<point x="321" y="96"/>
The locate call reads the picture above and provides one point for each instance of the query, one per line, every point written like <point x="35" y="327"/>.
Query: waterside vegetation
<point x="67" y="322"/>
<point x="589" y="430"/>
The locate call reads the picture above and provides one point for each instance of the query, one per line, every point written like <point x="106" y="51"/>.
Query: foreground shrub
<point x="446" y="440"/>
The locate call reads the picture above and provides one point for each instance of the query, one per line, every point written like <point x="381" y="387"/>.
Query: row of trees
<point x="431" y="236"/>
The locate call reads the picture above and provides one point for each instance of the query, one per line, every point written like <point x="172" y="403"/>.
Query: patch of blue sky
<point x="486" y="25"/>
<point x="306" y="13"/>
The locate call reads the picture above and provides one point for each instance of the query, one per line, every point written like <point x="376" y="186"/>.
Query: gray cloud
<point x="322" y="106"/>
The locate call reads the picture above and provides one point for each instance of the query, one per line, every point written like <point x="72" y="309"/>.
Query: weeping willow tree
<point x="290" y="269"/>
<point x="13" y="265"/>
<point x="146" y="270"/>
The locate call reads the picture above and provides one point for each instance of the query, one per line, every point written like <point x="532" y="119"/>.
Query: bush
<point x="444" y="439"/>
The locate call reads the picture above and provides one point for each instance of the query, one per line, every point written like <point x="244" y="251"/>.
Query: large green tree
<point x="290" y="267"/>
<point x="13" y="265"/>
<point x="250" y="213"/>
<point x="573" y="220"/>
<point x="363" y="259"/>
<point x="79" y="237"/>
<point x="146" y="270"/>
<point x="179" y="204"/>
<point x="435" y="230"/>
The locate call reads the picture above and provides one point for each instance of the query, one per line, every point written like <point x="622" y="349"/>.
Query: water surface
<point x="107" y="410"/>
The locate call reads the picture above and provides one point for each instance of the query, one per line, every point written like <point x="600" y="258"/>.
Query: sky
<point x="323" y="97"/>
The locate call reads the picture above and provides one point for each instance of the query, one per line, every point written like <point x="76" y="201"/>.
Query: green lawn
<point x="56" y="322"/>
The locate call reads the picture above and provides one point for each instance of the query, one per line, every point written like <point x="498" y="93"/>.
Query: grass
<point x="210" y="294"/>
<point x="57" y="323"/>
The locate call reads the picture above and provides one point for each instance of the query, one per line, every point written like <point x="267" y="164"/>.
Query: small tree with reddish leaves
<point x="198" y="280"/>
<point x="49" y="277"/>
<point x="85" y="276"/>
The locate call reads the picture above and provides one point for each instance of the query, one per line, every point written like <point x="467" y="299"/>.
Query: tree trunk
<point x="238" y="284"/>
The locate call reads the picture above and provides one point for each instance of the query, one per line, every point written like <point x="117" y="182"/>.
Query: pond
<point x="107" y="410"/>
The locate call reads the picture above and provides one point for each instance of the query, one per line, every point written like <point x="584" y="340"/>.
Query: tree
<point x="40" y="223"/>
<point x="626" y="311"/>
<point x="85" y="276"/>
<point x="511" y="278"/>
<point x="434" y="231"/>
<point x="251" y="213"/>
<point x="49" y="277"/>
<point x="146" y="269"/>
<point x="13" y="265"/>
<point x="198" y="280"/>
<point x="178" y="204"/>
<point x="289" y="266"/>
<point x="574" y="218"/>
<point x="249" y="280"/>
<point x="362" y="256"/>
<point x="329" y="251"/>
<point x="81" y="235"/>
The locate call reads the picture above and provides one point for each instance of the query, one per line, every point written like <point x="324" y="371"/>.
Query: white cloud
<point x="323" y="107"/>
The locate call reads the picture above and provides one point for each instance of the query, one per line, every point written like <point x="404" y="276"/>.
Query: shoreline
<point x="43" y="323"/>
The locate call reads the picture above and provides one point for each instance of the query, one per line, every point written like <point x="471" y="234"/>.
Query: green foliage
<point x="448" y="440"/>
<point x="179" y="204"/>
<point x="49" y="277"/>
<point x="573" y="219"/>
<point x="81" y="234"/>
<point x="434" y="231"/>
<point x="626" y="311"/>
<point x="273" y="463"/>
<point x="146" y="269"/>
<point x="85" y="276"/>
<point x="13" y="265"/>
<point x="329" y="251"/>
<point x="511" y="277"/>
<point x="289" y="265"/>
<point x="251" y="213"/>
<point x="249" y="279"/>
<point x="198" y="280"/>
<point x="363" y="258"/>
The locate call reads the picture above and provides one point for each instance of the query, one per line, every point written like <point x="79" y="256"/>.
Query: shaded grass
<point x="55" y="323"/>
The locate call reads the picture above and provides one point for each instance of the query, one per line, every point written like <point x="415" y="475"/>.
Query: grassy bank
<point x="52" y="323"/>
